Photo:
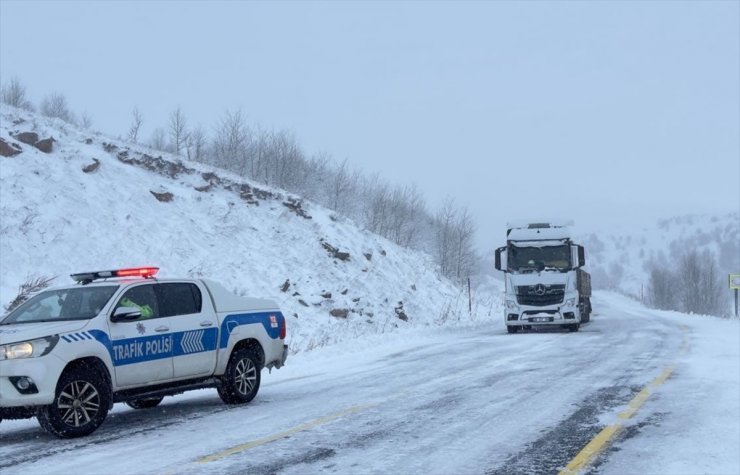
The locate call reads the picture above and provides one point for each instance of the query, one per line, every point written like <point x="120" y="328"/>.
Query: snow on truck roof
<point x="537" y="232"/>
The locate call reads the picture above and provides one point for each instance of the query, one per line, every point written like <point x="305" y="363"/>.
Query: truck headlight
<point x="570" y="303"/>
<point x="511" y="304"/>
<point x="28" y="349"/>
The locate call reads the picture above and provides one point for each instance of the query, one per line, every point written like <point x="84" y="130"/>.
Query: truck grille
<point x="540" y="295"/>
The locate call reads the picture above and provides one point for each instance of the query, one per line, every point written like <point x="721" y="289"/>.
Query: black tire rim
<point x="245" y="376"/>
<point x="78" y="403"/>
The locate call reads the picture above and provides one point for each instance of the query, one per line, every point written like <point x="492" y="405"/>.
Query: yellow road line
<point x="608" y="433"/>
<point x="280" y="435"/>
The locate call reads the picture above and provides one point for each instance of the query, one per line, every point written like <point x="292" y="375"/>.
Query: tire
<point x="81" y="403"/>
<point x="574" y="327"/>
<point x="145" y="403"/>
<point x="242" y="378"/>
<point x="512" y="329"/>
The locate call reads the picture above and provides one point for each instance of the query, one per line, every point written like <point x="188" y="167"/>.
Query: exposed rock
<point x="45" y="145"/>
<point x="335" y="252"/>
<point x="28" y="138"/>
<point x="296" y="294"/>
<point x="285" y="286"/>
<point x="302" y="302"/>
<point x="296" y="206"/>
<point x="165" y="197"/>
<point x="88" y="141"/>
<point x="204" y="188"/>
<point x="109" y="147"/>
<point x="9" y="149"/>
<point x="382" y="252"/>
<point x="413" y="286"/>
<point x="400" y="312"/>
<point x="339" y="312"/>
<point x="92" y="167"/>
<point x="368" y="256"/>
<point x="344" y="292"/>
<point x="326" y="295"/>
<point x="355" y="300"/>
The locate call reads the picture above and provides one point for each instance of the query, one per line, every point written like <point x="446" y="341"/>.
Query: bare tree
<point x="85" y="120"/>
<point x="14" y="94"/>
<point x="178" y="130"/>
<point x="55" y="105"/>
<point x="196" y="144"/>
<point x="136" y="121"/>
<point x="230" y="143"/>
<point x="159" y="139"/>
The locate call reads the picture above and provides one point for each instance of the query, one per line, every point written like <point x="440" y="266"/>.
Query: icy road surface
<point x="441" y="402"/>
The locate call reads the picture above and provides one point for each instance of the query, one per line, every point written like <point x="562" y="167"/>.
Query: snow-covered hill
<point x="61" y="213"/>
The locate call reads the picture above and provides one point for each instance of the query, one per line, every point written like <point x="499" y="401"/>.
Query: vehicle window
<point x="179" y="299"/>
<point x="143" y="298"/>
<point x="78" y="303"/>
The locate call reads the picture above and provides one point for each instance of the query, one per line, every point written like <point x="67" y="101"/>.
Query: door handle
<point x="162" y="329"/>
<point x="206" y="324"/>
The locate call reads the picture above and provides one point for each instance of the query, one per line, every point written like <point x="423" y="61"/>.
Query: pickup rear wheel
<point x="242" y="379"/>
<point x="145" y="403"/>
<point x="80" y="404"/>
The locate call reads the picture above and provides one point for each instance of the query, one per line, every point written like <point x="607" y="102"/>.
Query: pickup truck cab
<point x="68" y="354"/>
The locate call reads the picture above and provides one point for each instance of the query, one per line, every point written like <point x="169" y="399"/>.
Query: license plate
<point x="540" y="319"/>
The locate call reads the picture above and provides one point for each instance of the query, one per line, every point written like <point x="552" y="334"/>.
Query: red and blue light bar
<point x="143" y="272"/>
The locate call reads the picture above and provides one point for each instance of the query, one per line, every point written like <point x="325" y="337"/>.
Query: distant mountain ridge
<point x="622" y="260"/>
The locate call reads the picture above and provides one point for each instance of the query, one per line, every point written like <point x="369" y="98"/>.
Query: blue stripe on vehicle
<point x="233" y="321"/>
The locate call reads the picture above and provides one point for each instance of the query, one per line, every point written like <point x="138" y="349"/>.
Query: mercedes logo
<point x="539" y="289"/>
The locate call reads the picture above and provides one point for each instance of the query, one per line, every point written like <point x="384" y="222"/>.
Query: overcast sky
<point x="595" y="111"/>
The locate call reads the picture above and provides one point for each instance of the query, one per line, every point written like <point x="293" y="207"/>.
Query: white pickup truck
<point x="67" y="354"/>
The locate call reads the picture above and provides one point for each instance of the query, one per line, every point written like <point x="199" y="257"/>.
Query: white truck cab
<point x="68" y="353"/>
<point x="545" y="285"/>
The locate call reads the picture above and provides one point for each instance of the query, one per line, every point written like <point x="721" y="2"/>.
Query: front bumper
<point x="43" y="372"/>
<point x="554" y="315"/>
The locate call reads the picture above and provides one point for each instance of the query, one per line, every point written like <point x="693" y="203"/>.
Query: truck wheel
<point x="80" y="404"/>
<point x="512" y="329"/>
<point x="242" y="379"/>
<point x="574" y="327"/>
<point x="145" y="403"/>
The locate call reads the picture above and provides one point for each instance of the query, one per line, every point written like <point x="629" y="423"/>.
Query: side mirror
<point x="125" y="314"/>
<point x="501" y="251"/>
<point x="581" y="256"/>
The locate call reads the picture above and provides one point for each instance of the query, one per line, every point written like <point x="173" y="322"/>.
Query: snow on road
<point x="439" y="401"/>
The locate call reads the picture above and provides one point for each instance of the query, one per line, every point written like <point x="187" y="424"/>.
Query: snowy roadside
<point x="691" y="424"/>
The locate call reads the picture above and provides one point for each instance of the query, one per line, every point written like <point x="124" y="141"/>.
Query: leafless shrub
<point x="55" y="106"/>
<point x="14" y="94"/>
<point x="31" y="286"/>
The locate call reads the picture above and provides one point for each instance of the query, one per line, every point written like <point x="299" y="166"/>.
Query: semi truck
<point x="545" y="284"/>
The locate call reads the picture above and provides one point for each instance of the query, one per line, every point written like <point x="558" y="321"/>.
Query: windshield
<point x="77" y="303"/>
<point x="536" y="259"/>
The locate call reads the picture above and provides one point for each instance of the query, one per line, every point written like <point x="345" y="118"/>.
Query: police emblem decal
<point x="140" y="328"/>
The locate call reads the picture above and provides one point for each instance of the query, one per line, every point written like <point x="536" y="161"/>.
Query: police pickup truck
<point x="67" y="354"/>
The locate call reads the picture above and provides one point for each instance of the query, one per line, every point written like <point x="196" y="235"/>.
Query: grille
<point x="540" y="295"/>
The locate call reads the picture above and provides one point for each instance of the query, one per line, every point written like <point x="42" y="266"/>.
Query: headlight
<point x="28" y="349"/>
<point x="570" y="303"/>
<point x="511" y="304"/>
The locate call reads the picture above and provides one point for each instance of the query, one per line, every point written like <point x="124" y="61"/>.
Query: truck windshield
<point x="524" y="259"/>
<point x="77" y="303"/>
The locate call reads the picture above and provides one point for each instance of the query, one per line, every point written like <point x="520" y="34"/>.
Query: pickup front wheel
<point x="80" y="404"/>
<point x="242" y="379"/>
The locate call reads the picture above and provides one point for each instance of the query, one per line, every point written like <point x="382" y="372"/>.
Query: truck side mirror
<point x="497" y="261"/>
<point x="581" y="256"/>
<point x="125" y="314"/>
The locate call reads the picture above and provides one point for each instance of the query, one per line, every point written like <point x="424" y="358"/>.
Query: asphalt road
<point x="463" y="401"/>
